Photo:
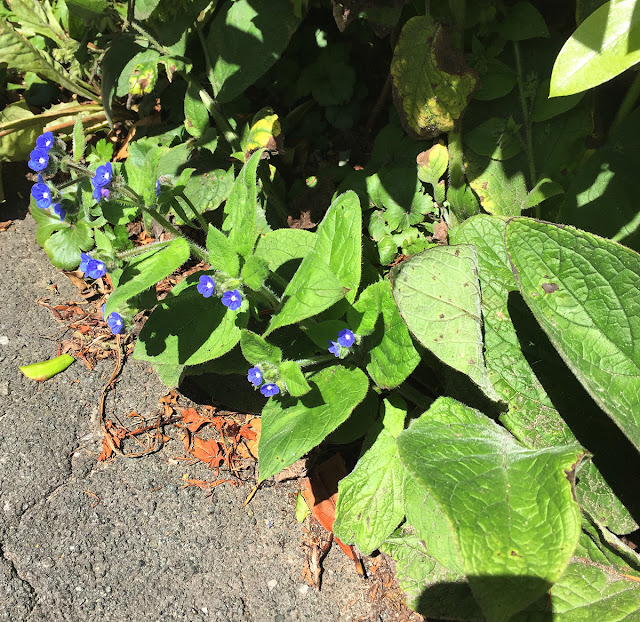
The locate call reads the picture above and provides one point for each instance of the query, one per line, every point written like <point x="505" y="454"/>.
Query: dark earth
<point x="82" y="540"/>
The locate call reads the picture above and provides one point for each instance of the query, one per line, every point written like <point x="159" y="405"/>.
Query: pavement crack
<point x="15" y="575"/>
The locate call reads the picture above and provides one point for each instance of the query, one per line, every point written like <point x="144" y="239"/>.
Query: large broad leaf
<point x="603" y="46"/>
<point x="338" y="241"/>
<point x="438" y="295"/>
<point x="278" y="247"/>
<point x="515" y="520"/>
<point x="431" y="82"/>
<point x="313" y="288"/>
<point x="371" y="498"/>
<point x="291" y="427"/>
<point x="246" y="38"/>
<point x="241" y="208"/>
<point x="583" y="290"/>
<point x="532" y="417"/>
<point x="188" y="329"/>
<point x="146" y="271"/>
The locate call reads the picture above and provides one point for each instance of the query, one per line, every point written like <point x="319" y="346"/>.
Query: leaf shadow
<point x="613" y="454"/>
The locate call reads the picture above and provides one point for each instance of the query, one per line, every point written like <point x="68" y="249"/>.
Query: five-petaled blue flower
<point x="38" y="159"/>
<point x="103" y="175"/>
<point x="346" y="338"/>
<point x="115" y="323"/>
<point x="255" y="376"/>
<point x="45" y="141"/>
<point x="41" y="193"/>
<point x="334" y="348"/>
<point x="206" y="286"/>
<point x="269" y="389"/>
<point x="233" y="300"/>
<point x="93" y="268"/>
<point x="59" y="211"/>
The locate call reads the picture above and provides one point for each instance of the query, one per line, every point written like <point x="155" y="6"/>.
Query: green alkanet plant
<point x="465" y="342"/>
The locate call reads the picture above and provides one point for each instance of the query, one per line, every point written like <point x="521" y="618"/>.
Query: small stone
<point x="4" y="340"/>
<point x="271" y="584"/>
<point x="4" y="387"/>
<point x="304" y="589"/>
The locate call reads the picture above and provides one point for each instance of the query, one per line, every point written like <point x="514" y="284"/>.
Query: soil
<point x="123" y="539"/>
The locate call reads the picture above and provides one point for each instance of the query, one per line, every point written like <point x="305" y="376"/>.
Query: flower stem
<point x="414" y="396"/>
<point x="315" y="360"/>
<point x="142" y="249"/>
<point x="197" y="214"/>
<point x="629" y="101"/>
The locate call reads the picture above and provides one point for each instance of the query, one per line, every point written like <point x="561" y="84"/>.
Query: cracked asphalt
<point x="149" y="549"/>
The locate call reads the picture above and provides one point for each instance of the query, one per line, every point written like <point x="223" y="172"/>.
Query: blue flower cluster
<point x="346" y="339"/>
<point x="255" y="378"/>
<point x="39" y="157"/>
<point x="93" y="268"/>
<point x="101" y="181"/>
<point x="231" y="299"/>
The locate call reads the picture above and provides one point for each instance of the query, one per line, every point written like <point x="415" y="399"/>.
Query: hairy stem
<point x="197" y="214"/>
<point x="414" y="396"/>
<point x="142" y="249"/>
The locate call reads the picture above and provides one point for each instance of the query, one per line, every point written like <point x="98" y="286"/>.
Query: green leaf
<point x="587" y="591"/>
<point x="18" y="53"/>
<point x="88" y="9"/>
<point x="392" y="354"/>
<point x="531" y="416"/>
<point x="144" y="8"/>
<point x="431" y="589"/>
<point x="47" y="369"/>
<point x="569" y="278"/>
<point x="371" y="498"/>
<point x="431" y="82"/>
<point x="189" y="329"/>
<point x="338" y="243"/>
<point x="543" y="190"/>
<point x="293" y="377"/>
<point x="514" y="517"/>
<point x="496" y="138"/>
<point x="221" y="254"/>
<point x="47" y="224"/>
<point x="291" y="427"/>
<point x="79" y="141"/>
<point x="603" y="46"/>
<point x="147" y="270"/>
<point x="241" y="208"/>
<point x="278" y="247"/>
<point x="433" y="164"/>
<point x="208" y="191"/>
<point x="147" y="57"/>
<point x="196" y="117"/>
<point x="254" y="272"/>
<point x="438" y="295"/>
<point x="313" y="289"/>
<point x="501" y="192"/>
<point x="523" y="22"/>
<point x="545" y="108"/>
<point x="64" y="247"/>
<point x="246" y="39"/>
<point x="401" y="194"/>
<point x="606" y="184"/>
<point x="258" y="350"/>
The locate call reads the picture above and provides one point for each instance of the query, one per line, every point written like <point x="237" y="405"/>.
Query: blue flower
<point x="59" y="211"/>
<point x="269" y="389"/>
<point x="93" y="268"/>
<point x="115" y="323"/>
<point x="206" y="286"/>
<point x="157" y="187"/>
<point x="101" y="193"/>
<point x="38" y="159"/>
<point x="233" y="300"/>
<point x="45" y="141"/>
<point x="41" y="193"/>
<point x="103" y="176"/>
<point x="334" y="348"/>
<point x="255" y="376"/>
<point x="346" y="338"/>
